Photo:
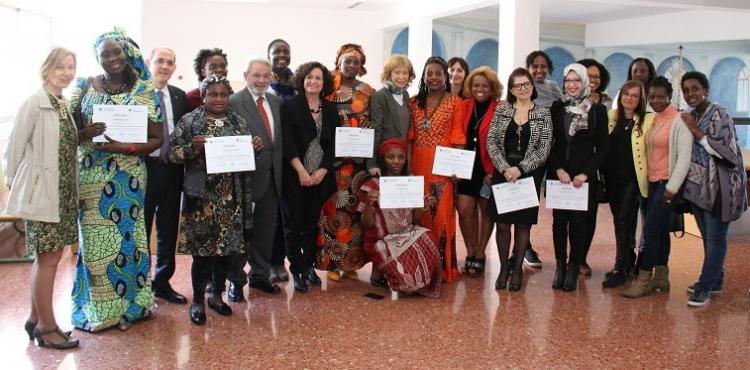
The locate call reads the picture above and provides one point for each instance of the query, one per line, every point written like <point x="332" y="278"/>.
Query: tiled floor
<point x="471" y="326"/>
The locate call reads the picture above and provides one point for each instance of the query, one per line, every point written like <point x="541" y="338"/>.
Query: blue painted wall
<point x="617" y="66"/>
<point x="723" y="82"/>
<point x="401" y="44"/>
<point x="667" y="63"/>
<point x="483" y="53"/>
<point x="561" y="57"/>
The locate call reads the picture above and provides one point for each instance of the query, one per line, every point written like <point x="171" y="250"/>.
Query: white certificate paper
<point x="512" y="196"/>
<point x="565" y="196"/>
<point x="401" y="192"/>
<point x="354" y="142"/>
<point x="449" y="162"/>
<point x="125" y="123"/>
<point x="229" y="154"/>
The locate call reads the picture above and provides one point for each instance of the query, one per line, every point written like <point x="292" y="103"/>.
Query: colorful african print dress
<point x="405" y="253"/>
<point x="44" y="237"/>
<point x="340" y="236"/>
<point x="213" y="210"/>
<point x="431" y="127"/>
<point x="112" y="281"/>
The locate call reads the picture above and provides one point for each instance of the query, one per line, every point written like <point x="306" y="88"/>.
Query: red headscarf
<point x="389" y="144"/>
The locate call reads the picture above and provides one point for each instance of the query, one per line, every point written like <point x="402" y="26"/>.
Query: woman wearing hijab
<point x="580" y="135"/>
<point x="112" y="284"/>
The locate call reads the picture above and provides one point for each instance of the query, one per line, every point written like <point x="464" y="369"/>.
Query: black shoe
<point x="380" y="282"/>
<point x="571" y="279"/>
<point x="263" y="285"/>
<point x="559" y="279"/>
<point x="699" y="298"/>
<point x="502" y="278"/>
<point x="531" y="259"/>
<point x="197" y="314"/>
<point x="282" y="274"/>
<point x="170" y="295"/>
<point x="716" y="289"/>
<point x="42" y="339"/>
<point x="312" y="277"/>
<point x="209" y="288"/>
<point x="235" y="293"/>
<point x="299" y="283"/>
<point x="516" y="281"/>
<point x="614" y="279"/>
<point x="220" y="307"/>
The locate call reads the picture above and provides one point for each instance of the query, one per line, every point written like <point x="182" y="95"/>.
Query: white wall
<point x="244" y="31"/>
<point x="688" y="26"/>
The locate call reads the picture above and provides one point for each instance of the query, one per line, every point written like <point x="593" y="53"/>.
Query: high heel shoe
<point x="42" y="341"/>
<point x="516" y="281"/>
<point x="502" y="279"/>
<point x="30" y="325"/>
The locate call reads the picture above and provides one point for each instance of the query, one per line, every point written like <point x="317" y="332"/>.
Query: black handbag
<point x="677" y="223"/>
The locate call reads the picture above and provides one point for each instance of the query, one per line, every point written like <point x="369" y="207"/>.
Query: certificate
<point x="512" y="196"/>
<point x="566" y="196"/>
<point x="229" y="154"/>
<point x="449" y="162"/>
<point x="354" y="142"/>
<point x="125" y="123"/>
<point x="401" y="192"/>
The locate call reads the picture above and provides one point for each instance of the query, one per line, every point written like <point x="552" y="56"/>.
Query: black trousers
<point x="163" y="192"/>
<point x="279" y="242"/>
<point x="573" y="226"/>
<point x="623" y="202"/>
<point x="205" y="269"/>
<point x="303" y="207"/>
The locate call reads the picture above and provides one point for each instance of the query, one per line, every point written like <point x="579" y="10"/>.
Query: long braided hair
<point x="422" y="95"/>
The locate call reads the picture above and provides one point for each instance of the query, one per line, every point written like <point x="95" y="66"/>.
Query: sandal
<point x="43" y="341"/>
<point x="469" y="265"/>
<point x="479" y="265"/>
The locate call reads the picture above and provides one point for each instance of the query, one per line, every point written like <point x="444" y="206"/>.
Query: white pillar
<point x="420" y="47"/>
<point x="518" y="34"/>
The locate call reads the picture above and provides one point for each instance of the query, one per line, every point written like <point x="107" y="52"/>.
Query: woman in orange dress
<point x="437" y="120"/>
<point x="340" y="237"/>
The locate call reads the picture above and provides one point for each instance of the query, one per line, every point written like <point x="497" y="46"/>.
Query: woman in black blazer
<point x="308" y="123"/>
<point x="581" y="141"/>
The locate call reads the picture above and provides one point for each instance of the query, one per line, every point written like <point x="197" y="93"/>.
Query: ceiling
<point x="567" y="11"/>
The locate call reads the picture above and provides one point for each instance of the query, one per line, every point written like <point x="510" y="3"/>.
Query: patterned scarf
<point x="395" y="90"/>
<point x="578" y="107"/>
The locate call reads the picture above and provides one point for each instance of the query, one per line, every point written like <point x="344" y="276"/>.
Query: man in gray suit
<point x="262" y="111"/>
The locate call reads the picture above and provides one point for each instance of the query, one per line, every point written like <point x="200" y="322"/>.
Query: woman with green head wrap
<point x="112" y="285"/>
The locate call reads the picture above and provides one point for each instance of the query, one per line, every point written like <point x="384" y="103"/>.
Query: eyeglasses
<point x="573" y="81"/>
<point x="521" y="86"/>
<point x="216" y="67"/>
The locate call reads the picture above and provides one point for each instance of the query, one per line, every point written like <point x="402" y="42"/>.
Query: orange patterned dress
<point x="431" y="127"/>
<point x="340" y="239"/>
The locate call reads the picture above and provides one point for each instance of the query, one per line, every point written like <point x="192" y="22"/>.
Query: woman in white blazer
<point x="40" y="169"/>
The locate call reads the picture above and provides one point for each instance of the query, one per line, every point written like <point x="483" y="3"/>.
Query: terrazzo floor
<point x="470" y="326"/>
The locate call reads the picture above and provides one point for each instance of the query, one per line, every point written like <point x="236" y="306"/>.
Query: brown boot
<point x="641" y="285"/>
<point x="660" y="280"/>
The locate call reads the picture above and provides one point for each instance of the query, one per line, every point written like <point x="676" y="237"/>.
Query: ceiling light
<point x="356" y="3"/>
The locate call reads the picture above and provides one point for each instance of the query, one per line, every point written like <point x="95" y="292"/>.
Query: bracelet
<point x="131" y="149"/>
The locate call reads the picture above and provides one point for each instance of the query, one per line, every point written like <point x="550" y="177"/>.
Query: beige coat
<point x="31" y="161"/>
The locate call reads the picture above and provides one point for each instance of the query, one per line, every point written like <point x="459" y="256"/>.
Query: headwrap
<point x="337" y="76"/>
<point x="132" y="51"/>
<point x="578" y="106"/>
<point x="213" y="79"/>
<point x="389" y="144"/>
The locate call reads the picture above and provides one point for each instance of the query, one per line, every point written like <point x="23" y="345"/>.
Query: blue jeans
<point x="714" y="233"/>
<point x="656" y="244"/>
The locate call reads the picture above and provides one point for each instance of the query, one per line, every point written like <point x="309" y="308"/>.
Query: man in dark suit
<point x="164" y="186"/>
<point x="262" y="111"/>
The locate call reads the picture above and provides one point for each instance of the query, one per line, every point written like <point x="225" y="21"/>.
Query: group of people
<point x="322" y="212"/>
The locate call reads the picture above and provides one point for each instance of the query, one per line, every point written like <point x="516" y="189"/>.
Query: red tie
<point x="264" y="117"/>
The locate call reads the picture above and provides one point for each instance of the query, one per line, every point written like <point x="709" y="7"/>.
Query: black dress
<point x="516" y="143"/>
<point x="471" y="187"/>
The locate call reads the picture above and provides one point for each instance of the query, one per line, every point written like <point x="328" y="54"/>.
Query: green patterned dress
<point x="112" y="282"/>
<point x="44" y="237"/>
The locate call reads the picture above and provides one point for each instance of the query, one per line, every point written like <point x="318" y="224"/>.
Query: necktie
<point x="164" y="151"/>
<point x="264" y="117"/>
